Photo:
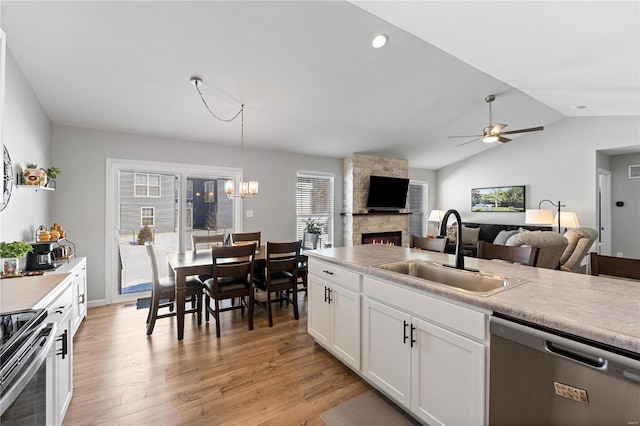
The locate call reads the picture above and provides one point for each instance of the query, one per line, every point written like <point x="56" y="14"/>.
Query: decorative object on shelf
<point x="52" y="173"/>
<point x="34" y="176"/>
<point x="244" y="188"/>
<point x="544" y="217"/>
<point x="7" y="179"/>
<point x="11" y="254"/>
<point x="312" y="226"/>
<point x="509" y="199"/>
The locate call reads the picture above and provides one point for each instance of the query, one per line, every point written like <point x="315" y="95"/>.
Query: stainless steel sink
<point x="478" y="282"/>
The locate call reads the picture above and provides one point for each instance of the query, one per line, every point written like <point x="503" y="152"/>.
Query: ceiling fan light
<point x="490" y="139"/>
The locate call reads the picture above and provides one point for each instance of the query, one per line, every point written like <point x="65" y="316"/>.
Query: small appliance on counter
<point x="41" y="258"/>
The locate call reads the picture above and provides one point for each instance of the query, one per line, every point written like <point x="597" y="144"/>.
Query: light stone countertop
<point x="602" y="309"/>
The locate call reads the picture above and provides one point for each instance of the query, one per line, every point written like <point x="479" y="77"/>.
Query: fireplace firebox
<point x="391" y="238"/>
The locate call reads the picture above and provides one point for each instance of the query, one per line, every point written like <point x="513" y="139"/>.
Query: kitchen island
<point x="427" y="345"/>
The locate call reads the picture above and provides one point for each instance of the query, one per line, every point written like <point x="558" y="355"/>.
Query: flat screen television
<point x="387" y="193"/>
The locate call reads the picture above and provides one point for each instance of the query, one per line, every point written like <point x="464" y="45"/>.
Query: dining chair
<point x="280" y="276"/>
<point x="209" y="240"/>
<point x="165" y="288"/>
<point x="231" y="277"/>
<point x="523" y="254"/>
<point x="622" y="267"/>
<point x="246" y="237"/>
<point x="431" y="244"/>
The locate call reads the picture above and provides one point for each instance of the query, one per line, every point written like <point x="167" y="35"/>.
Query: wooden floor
<point x="275" y="376"/>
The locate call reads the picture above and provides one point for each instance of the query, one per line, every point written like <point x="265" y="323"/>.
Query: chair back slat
<point x="622" y="267"/>
<point x="246" y="236"/>
<point x="523" y="254"/>
<point x="233" y="261"/>
<point x="283" y="257"/>
<point x="210" y="239"/>
<point x="153" y="263"/>
<point x="431" y="244"/>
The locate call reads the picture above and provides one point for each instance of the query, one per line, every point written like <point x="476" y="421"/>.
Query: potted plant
<point x="52" y="173"/>
<point x="10" y="254"/>
<point x="312" y="231"/>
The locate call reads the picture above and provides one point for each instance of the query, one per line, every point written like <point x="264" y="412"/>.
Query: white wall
<point x="558" y="163"/>
<point x="27" y="136"/>
<point x="79" y="203"/>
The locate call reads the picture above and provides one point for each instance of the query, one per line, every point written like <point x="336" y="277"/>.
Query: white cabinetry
<point x="334" y="310"/>
<point x="426" y="353"/>
<point x="60" y="361"/>
<point x="78" y="269"/>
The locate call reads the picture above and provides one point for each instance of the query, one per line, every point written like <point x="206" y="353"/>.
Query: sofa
<point x="487" y="232"/>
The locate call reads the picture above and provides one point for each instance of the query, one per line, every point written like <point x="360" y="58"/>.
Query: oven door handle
<point x="19" y="384"/>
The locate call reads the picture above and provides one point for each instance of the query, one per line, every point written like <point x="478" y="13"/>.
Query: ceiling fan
<point x="493" y="132"/>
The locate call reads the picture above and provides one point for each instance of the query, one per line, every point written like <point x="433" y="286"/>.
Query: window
<point x="189" y="195"/>
<point x="147" y="216"/>
<point x="418" y="208"/>
<point x="146" y="185"/>
<point x="314" y="200"/>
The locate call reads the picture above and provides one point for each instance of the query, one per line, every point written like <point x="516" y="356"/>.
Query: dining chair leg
<point x="207" y="301"/>
<point x="269" y="308"/>
<point x="294" y="302"/>
<point x="199" y="308"/>
<point x="216" y="315"/>
<point x="153" y="311"/>
<point x="250" y="309"/>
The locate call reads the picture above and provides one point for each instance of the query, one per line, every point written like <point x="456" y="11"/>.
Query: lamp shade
<point x="436" y="216"/>
<point x="539" y="217"/>
<point x="567" y="220"/>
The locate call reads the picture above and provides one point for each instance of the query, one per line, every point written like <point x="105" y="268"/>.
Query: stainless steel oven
<point x="27" y="339"/>
<point x="545" y="377"/>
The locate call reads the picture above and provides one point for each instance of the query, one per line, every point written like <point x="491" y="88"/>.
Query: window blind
<point x="417" y="206"/>
<point x="314" y="200"/>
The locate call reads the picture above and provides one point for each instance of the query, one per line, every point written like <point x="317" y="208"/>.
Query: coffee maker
<point x="41" y="258"/>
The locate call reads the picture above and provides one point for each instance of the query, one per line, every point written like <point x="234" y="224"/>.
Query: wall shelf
<point x="35" y="188"/>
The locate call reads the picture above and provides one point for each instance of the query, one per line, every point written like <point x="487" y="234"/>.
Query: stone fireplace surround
<point x="356" y="220"/>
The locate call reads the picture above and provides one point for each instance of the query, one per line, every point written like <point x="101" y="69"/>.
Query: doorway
<point x="162" y="204"/>
<point x="604" y="212"/>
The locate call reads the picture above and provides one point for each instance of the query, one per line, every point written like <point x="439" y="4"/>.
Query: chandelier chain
<point x="226" y="120"/>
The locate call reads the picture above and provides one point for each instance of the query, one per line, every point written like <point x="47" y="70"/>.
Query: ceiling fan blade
<point x="473" y="140"/>
<point x="467" y="136"/>
<point x="503" y="139"/>
<point x="497" y="128"/>
<point x="531" y="129"/>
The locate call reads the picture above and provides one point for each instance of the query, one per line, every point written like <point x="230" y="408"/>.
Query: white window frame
<point x="147" y="185"/>
<point x="143" y="216"/>
<point x="327" y="237"/>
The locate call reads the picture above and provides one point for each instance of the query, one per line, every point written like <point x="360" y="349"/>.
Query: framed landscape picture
<point x="508" y="199"/>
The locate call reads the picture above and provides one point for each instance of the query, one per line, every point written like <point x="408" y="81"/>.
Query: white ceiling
<point x="309" y="79"/>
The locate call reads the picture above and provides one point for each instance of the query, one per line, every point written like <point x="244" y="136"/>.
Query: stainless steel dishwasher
<point x="543" y="377"/>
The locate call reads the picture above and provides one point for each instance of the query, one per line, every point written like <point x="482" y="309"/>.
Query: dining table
<point x="183" y="265"/>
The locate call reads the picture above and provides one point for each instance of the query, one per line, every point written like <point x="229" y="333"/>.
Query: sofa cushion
<point x="503" y="236"/>
<point x="470" y="235"/>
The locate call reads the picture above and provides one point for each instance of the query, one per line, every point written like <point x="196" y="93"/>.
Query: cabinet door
<point x="448" y="377"/>
<point x="345" y="325"/>
<point x="386" y="352"/>
<point x="319" y="319"/>
<point x="79" y="296"/>
<point x="63" y="365"/>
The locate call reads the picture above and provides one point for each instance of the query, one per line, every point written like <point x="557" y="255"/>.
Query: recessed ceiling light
<point x="379" y="41"/>
<point x="579" y="107"/>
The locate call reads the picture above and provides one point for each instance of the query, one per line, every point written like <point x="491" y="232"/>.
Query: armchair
<point x="580" y="241"/>
<point x="552" y="245"/>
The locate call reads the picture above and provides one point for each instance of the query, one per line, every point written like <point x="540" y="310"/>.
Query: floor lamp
<point x="544" y="217"/>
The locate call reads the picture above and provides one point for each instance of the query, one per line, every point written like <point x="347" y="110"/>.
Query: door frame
<point x="604" y="212"/>
<point x="112" y="209"/>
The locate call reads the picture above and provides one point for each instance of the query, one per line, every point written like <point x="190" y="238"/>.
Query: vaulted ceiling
<point x="309" y="78"/>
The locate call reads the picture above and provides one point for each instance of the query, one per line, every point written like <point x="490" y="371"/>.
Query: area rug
<point x="370" y="409"/>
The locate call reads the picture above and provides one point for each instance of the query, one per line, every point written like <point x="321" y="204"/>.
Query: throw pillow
<point x="470" y="235"/>
<point x="452" y="233"/>
<point x="503" y="236"/>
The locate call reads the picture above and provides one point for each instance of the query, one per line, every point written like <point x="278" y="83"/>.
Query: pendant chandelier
<point x="244" y="188"/>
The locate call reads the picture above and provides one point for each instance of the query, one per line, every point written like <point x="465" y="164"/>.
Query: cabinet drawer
<point x="459" y="318"/>
<point x="335" y="274"/>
